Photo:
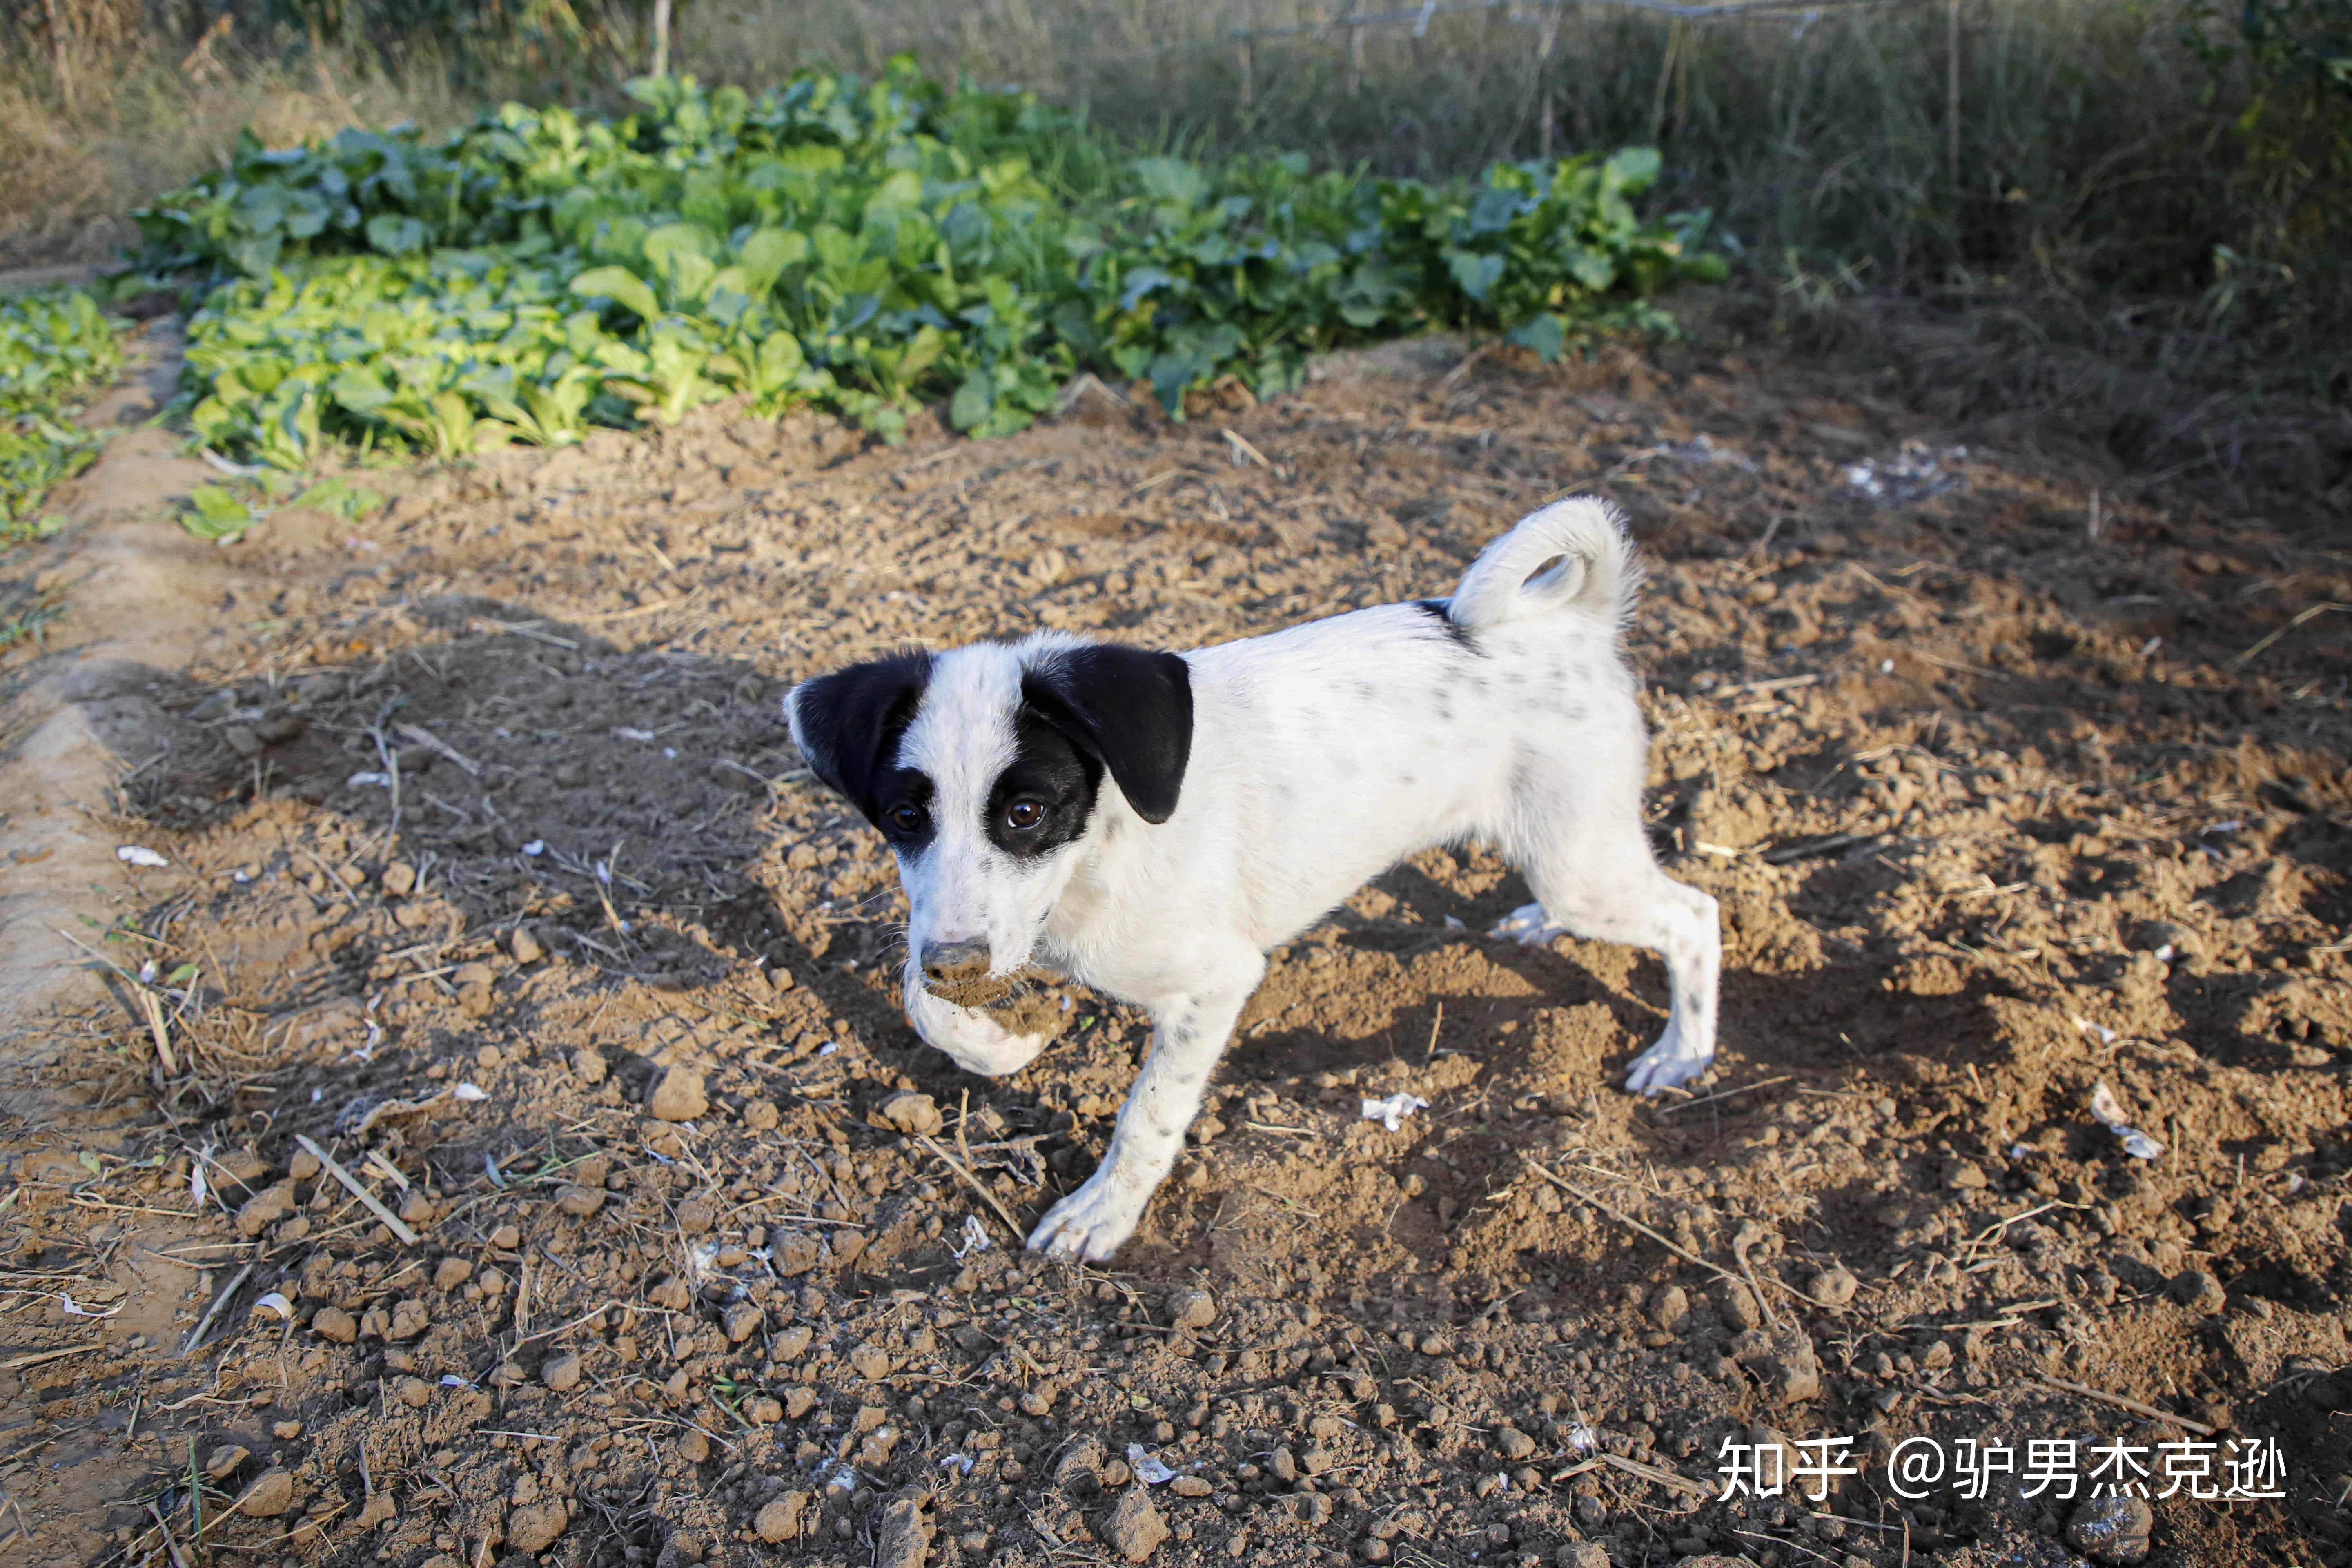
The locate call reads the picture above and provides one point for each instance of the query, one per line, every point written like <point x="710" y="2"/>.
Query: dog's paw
<point x="1667" y="1065"/>
<point x="1527" y="924"/>
<point x="1090" y="1224"/>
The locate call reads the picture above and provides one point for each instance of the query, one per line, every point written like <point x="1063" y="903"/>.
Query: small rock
<point x="903" y="1542"/>
<point x="779" y="1520"/>
<point x="1582" y="1554"/>
<point x="916" y="1115"/>
<point x="799" y="1400"/>
<point x="451" y="1272"/>
<point x="790" y="1344"/>
<point x="561" y="1372"/>
<point x="742" y="1321"/>
<point x="1191" y="1486"/>
<point x="1435" y="1344"/>
<point x="580" y="1202"/>
<point x="1514" y="1443"/>
<point x="1963" y="1177"/>
<point x="286" y="1431"/>
<point x="244" y="739"/>
<point x="532" y="1531"/>
<point x="400" y="879"/>
<point x="1833" y="1287"/>
<point x="414" y="1393"/>
<point x="409" y="1317"/>
<point x="588" y="1066"/>
<point x="1286" y="1466"/>
<point x="693" y="1446"/>
<point x="270" y="1495"/>
<point x="762" y="1410"/>
<point x="224" y="1459"/>
<point x="2197" y="1291"/>
<point x="679" y="1096"/>
<point x="525" y="946"/>
<point x="303" y="1165"/>
<point x="335" y="1325"/>
<point x="1190" y="1306"/>
<point x="870" y="1360"/>
<point x="697" y="1216"/>
<point x="761" y="1115"/>
<point x="2112" y="1529"/>
<point x="1135" y="1529"/>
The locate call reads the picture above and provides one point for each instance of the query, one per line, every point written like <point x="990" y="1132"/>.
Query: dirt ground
<point x="492" y="875"/>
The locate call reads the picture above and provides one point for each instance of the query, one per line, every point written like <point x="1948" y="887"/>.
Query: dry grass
<point x="69" y="177"/>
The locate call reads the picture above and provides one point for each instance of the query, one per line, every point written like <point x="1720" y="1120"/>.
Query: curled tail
<point x="1572" y="554"/>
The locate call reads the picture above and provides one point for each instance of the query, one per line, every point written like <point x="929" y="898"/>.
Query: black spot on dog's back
<point x="1455" y="630"/>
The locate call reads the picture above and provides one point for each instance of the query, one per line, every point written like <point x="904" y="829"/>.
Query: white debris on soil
<point x="1914" y="474"/>
<point x="2110" y="1112"/>
<point x="1392" y="1112"/>
<point x="139" y="855"/>
<point x="1148" y="1471"/>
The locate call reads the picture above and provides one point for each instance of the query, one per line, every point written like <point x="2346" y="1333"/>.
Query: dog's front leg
<point x="1189" y="1034"/>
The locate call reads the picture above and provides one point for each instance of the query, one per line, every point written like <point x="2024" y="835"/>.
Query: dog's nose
<point x="950" y="963"/>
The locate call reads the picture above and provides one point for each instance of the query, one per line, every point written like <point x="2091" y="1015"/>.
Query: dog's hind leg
<point x="1190" y="1031"/>
<point x="1599" y="882"/>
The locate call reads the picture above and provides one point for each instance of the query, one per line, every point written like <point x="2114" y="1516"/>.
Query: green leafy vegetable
<point x="867" y="249"/>
<point x="56" y="349"/>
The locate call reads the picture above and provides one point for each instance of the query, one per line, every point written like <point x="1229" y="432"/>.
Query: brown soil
<point x="1996" y="812"/>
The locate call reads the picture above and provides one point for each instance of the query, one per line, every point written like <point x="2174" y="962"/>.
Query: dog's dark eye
<point x="905" y="818"/>
<point x="1024" y="814"/>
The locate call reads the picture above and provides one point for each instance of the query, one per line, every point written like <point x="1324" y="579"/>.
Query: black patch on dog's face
<point x="903" y="810"/>
<point x="1046" y="797"/>
<point x="1127" y="709"/>
<point x="849" y="724"/>
<point x="1442" y="610"/>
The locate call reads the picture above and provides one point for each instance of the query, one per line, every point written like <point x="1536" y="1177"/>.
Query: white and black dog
<point x="1258" y="785"/>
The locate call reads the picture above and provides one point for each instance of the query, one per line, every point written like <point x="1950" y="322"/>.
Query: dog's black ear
<point x="1128" y="707"/>
<point x="845" y="724"/>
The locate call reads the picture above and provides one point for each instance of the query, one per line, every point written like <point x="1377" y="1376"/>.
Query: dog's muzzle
<point x="955" y="963"/>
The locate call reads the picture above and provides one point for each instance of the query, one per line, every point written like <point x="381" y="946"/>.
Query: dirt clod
<point x="903" y="1541"/>
<point x="1190" y="1306"/>
<point x="1833" y="1287"/>
<point x="1135" y="1528"/>
<point x="2197" y="1290"/>
<point x="265" y="1208"/>
<point x="224" y="1460"/>
<point x="561" y="1372"/>
<point x="270" y="1495"/>
<point x="679" y="1096"/>
<point x="334" y="1324"/>
<point x="778" y="1520"/>
<point x="533" y="1530"/>
<point x="917" y="1115"/>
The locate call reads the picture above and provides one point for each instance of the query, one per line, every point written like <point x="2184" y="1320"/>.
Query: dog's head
<point x="983" y="768"/>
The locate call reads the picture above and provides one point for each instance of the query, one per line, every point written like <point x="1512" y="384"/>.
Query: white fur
<point x="1320" y="756"/>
